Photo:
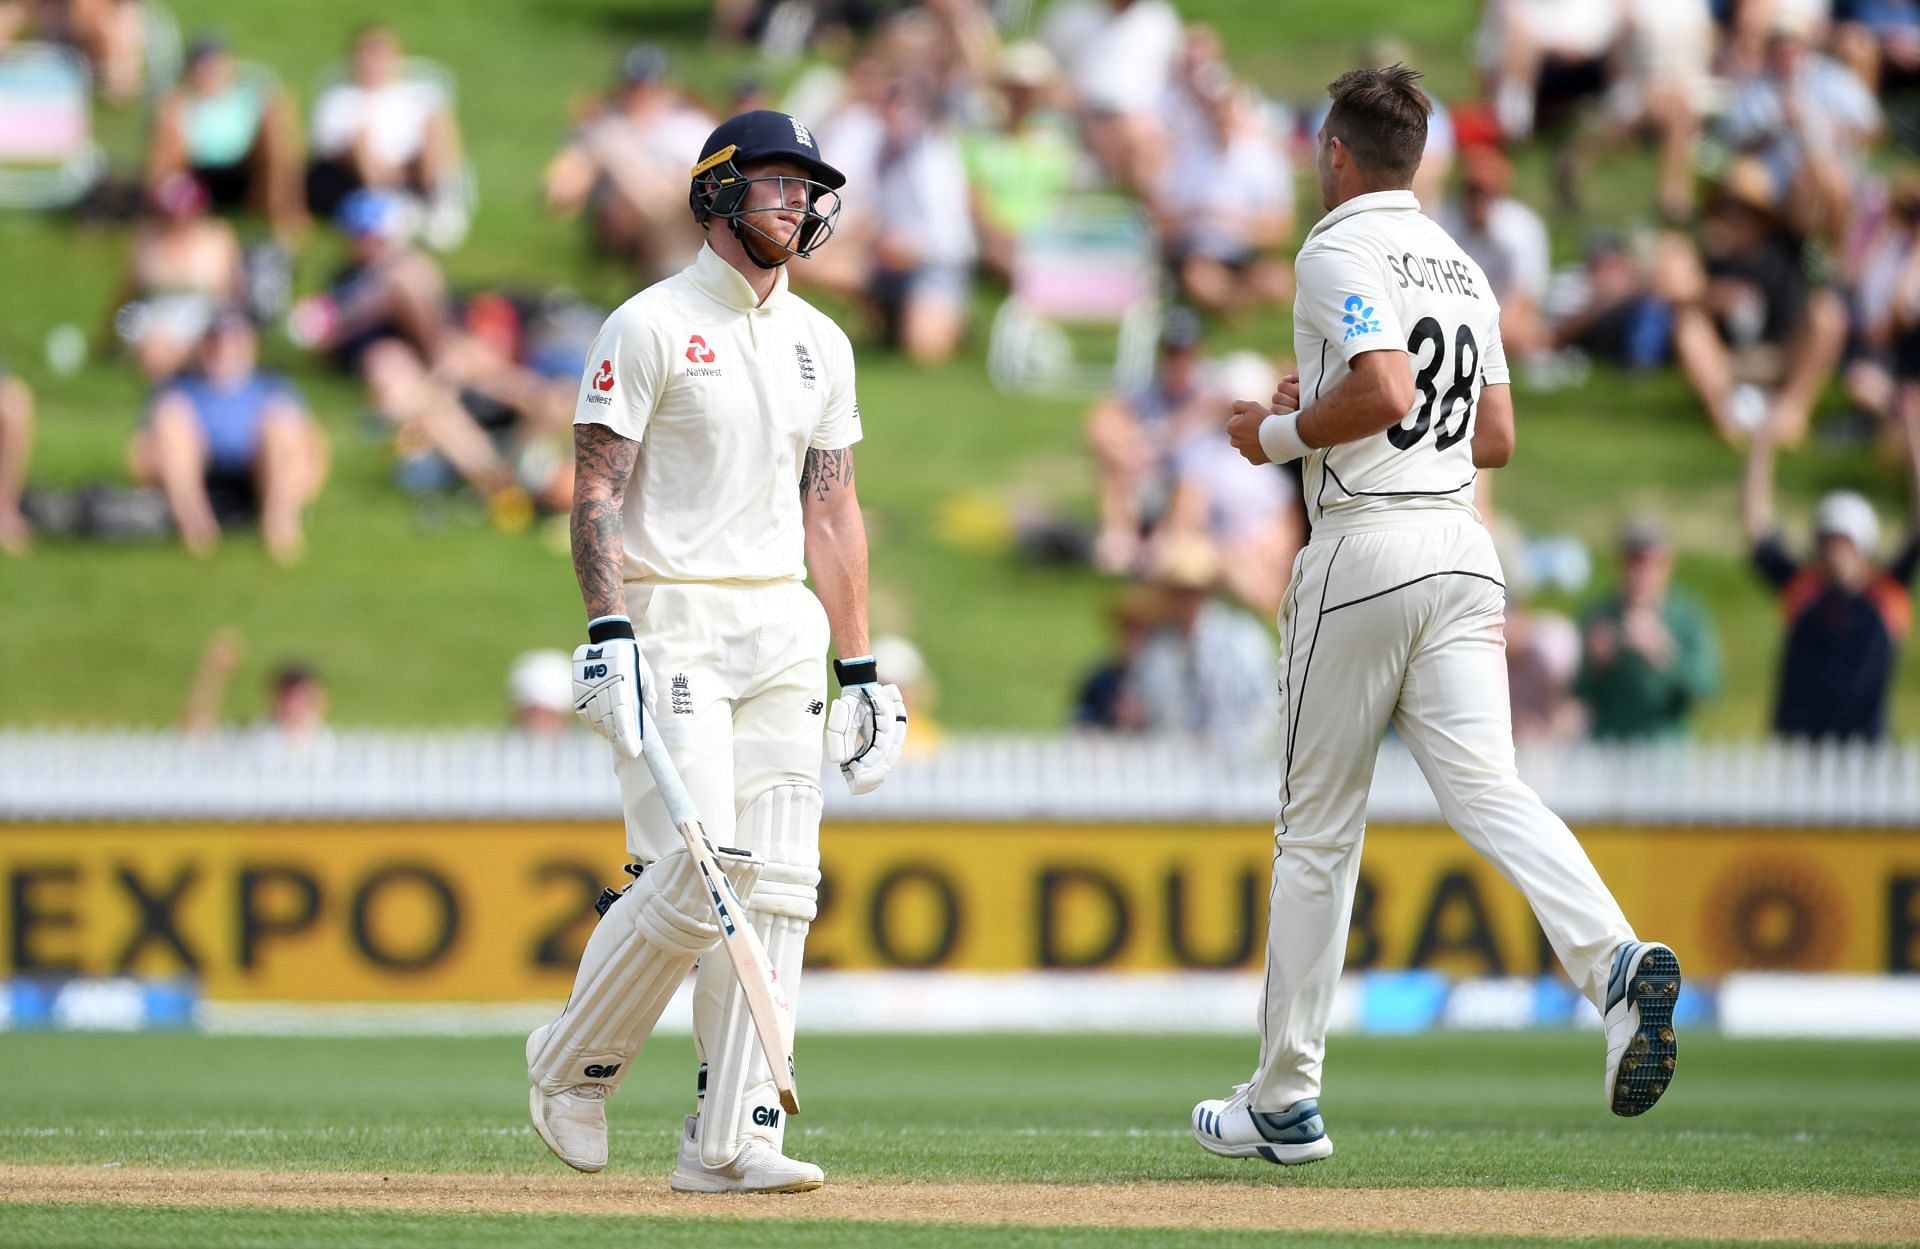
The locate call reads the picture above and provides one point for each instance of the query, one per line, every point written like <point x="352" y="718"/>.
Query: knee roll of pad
<point x="635" y="959"/>
<point x="787" y="891"/>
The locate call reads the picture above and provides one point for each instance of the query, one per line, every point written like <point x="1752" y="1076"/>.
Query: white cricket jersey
<point x="1375" y="274"/>
<point x="725" y="399"/>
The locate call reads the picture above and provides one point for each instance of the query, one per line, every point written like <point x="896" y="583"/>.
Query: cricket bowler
<point x="1395" y="616"/>
<point x="714" y="471"/>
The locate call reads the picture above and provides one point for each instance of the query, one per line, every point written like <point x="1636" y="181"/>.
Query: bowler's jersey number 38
<point x="1437" y="407"/>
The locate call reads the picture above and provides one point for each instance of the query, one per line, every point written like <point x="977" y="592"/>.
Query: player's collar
<point x="721" y="282"/>
<point x="1396" y="201"/>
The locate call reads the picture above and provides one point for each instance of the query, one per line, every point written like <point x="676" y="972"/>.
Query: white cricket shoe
<point x="1232" y="1128"/>
<point x="1641" y="1048"/>
<point x="757" y="1168"/>
<point x="573" y="1123"/>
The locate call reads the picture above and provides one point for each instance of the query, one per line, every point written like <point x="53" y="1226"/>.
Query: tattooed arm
<point x="836" y="545"/>
<point x="603" y="463"/>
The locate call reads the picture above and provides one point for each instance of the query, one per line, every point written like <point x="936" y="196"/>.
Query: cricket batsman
<point x="1395" y="616"/>
<point x="713" y="471"/>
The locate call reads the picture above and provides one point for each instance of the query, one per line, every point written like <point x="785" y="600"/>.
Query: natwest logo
<point x="698" y="352"/>
<point x="603" y="380"/>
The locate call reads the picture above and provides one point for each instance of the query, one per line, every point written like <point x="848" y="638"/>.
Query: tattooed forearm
<point x="824" y="472"/>
<point x="603" y="462"/>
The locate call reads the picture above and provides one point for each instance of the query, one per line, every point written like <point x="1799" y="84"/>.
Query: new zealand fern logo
<point x="1359" y="318"/>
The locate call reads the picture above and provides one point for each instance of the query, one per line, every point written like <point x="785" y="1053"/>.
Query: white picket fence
<point x="91" y="775"/>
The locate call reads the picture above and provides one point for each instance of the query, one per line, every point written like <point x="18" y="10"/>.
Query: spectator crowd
<point x="1776" y="264"/>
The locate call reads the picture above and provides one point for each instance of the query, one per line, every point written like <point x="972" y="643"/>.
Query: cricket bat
<point x="766" y="1002"/>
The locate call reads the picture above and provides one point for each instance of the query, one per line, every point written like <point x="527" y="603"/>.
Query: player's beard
<point x="772" y="242"/>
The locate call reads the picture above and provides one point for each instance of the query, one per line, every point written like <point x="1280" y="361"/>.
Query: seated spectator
<point x="1119" y="56"/>
<point x="924" y="246"/>
<point x="1883" y="278"/>
<point x="624" y="165"/>
<point x="389" y="318"/>
<point x="1609" y="310"/>
<point x="1226" y="207"/>
<point x="378" y="129"/>
<point x="230" y="438"/>
<point x="109" y="34"/>
<point x="1208" y="670"/>
<point x="852" y="126"/>
<point x="234" y="132"/>
<point x="1879" y="40"/>
<point x="1846" y="617"/>
<point x="1133" y="439"/>
<point x="1540" y="57"/>
<point x="948" y="49"/>
<point x="16" y="448"/>
<point x="184" y="267"/>
<point x="1663" y="90"/>
<point x="1748" y="317"/>
<point x="540" y="694"/>
<point x="1252" y="516"/>
<point x="1018" y="168"/>
<point x="1543" y="658"/>
<point x="1108" y="699"/>
<point x="1508" y="240"/>
<point x="1889" y="295"/>
<point x="1809" y="121"/>
<point x="1649" y="656"/>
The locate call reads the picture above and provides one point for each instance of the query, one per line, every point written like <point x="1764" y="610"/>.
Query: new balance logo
<point x="766" y="1116"/>
<point x="596" y="1071"/>
<point x="815" y="707"/>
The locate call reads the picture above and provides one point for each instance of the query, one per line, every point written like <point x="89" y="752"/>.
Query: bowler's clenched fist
<point x="1243" y="429"/>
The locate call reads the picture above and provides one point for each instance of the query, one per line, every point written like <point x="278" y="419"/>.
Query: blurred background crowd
<point x="1077" y="212"/>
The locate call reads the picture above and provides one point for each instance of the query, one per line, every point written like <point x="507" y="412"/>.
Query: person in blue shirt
<point x="226" y="441"/>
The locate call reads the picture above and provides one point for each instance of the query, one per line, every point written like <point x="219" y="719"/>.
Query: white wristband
<point x="1280" y="438"/>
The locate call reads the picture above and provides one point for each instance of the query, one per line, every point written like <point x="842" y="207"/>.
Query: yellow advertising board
<point x="498" y="911"/>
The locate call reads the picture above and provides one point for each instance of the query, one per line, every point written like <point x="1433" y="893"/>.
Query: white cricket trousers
<point x="1400" y="625"/>
<point x="739" y="695"/>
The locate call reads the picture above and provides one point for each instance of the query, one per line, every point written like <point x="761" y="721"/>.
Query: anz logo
<point x="1359" y="318"/>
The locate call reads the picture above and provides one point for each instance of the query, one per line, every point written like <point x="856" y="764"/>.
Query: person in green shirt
<point x="1648" y="653"/>
<point x="1020" y="166"/>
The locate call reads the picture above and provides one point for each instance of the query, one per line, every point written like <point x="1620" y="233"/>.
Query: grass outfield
<point x="113" y="1227"/>
<point x="1451" y="1109"/>
<point x="403" y="578"/>
<point x="1827" y="1132"/>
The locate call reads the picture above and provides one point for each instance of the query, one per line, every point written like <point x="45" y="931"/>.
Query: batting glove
<point x="610" y="680"/>
<point x="867" y="728"/>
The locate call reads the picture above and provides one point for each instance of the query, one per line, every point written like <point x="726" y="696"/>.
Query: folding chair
<point x="1088" y="277"/>
<point x="48" y="156"/>
<point x="443" y="230"/>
